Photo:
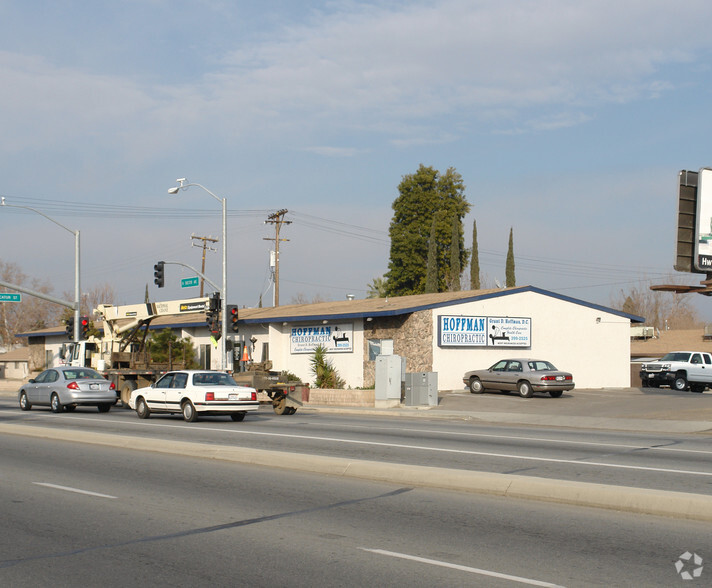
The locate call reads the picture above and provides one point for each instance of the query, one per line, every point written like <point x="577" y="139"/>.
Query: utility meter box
<point x="390" y="375"/>
<point x="421" y="388"/>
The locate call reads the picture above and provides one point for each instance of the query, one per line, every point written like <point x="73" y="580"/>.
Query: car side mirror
<point x="31" y="381"/>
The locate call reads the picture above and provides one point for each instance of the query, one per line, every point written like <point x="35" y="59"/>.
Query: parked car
<point x="66" y="387"/>
<point x="526" y="376"/>
<point x="194" y="393"/>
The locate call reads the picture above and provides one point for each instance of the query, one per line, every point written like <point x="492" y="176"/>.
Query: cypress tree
<point x="511" y="280"/>
<point x="475" y="262"/>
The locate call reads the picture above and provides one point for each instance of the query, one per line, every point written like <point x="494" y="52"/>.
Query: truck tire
<point x="126" y="389"/>
<point x="679" y="383"/>
<point x="280" y="406"/>
<point x="697" y="388"/>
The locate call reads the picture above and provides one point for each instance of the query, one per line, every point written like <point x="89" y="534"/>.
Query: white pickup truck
<point x="681" y="370"/>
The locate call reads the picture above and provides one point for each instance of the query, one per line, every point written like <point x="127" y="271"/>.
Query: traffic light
<point x="158" y="277"/>
<point x="69" y="328"/>
<point x="212" y="315"/>
<point x="232" y="317"/>
<point x="84" y="327"/>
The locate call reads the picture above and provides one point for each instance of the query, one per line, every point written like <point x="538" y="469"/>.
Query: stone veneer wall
<point x="36" y="361"/>
<point x="412" y="338"/>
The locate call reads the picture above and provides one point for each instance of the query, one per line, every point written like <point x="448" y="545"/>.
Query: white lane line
<point x="76" y="490"/>
<point x="444" y="564"/>
<point x="434" y="449"/>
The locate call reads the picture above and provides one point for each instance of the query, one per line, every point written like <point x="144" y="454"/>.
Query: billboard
<point x="703" y="225"/>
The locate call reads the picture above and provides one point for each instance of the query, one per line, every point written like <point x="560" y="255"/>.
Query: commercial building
<point x="447" y="333"/>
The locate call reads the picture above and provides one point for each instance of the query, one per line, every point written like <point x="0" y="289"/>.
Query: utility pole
<point x="205" y="247"/>
<point x="277" y="219"/>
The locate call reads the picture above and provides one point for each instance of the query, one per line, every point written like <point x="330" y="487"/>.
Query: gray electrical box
<point x="390" y="373"/>
<point x="421" y="388"/>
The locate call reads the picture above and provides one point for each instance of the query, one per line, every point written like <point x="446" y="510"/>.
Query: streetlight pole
<point x="183" y="184"/>
<point x="77" y="289"/>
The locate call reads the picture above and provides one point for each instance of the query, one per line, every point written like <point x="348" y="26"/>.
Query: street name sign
<point x="6" y="297"/>
<point x="189" y="282"/>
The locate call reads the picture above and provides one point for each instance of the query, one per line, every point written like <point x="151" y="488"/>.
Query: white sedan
<point x="194" y="393"/>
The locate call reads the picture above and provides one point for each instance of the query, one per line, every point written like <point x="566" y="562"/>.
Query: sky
<point x="568" y="122"/>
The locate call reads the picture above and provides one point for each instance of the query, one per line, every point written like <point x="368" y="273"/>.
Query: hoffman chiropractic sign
<point x="484" y="331"/>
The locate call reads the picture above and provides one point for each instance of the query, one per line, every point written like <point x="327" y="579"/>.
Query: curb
<point x="620" y="498"/>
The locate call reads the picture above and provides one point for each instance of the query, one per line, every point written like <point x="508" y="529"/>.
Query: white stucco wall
<point x="349" y="364"/>
<point x="563" y="332"/>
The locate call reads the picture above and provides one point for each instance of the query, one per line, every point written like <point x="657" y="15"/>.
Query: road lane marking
<point x="75" y="490"/>
<point x="427" y="448"/>
<point x="471" y="570"/>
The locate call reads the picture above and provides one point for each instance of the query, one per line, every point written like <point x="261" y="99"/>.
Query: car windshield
<point x="541" y="366"/>
<point x="82" y="374"/>
<point x="213" y="379"/>
<point x="676" y="356"/>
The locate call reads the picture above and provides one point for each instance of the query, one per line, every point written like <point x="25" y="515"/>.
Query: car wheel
<point x="697" y="388"/>
<point x="237" y="416"/>
<point x="525" y="389"/>
<point x="24" y="402"/>
<point x="476" y="386"/>
<point x="189" y="413"/>
<point x="106" y="407"/>
<point x="556" y="393"/>
<point x="142" y="409"/>
<point x="680" y="383"/>
<point x="55" y="404"/>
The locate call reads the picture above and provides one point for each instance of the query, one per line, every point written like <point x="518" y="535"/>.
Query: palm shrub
<point x="324" y="372"/>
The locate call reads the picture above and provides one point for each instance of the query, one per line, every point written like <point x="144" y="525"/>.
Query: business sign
<point x="336" y="338"/>
<point x="7" y="297"/>
<point x="484" y="331"/>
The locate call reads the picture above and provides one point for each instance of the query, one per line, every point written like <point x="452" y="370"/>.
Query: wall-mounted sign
<point x="336" y="338"/>
<point x="484" y="331"/>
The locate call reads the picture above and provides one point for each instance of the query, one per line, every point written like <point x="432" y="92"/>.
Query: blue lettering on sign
<point x="463" y="324"/>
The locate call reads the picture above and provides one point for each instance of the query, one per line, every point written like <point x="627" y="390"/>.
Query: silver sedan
<point x="65" y="388"/>
<point x="524" y="375"/>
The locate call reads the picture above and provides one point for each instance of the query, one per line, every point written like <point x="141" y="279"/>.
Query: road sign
<point x="189" y="282"/>
<point x="5" y="297"/>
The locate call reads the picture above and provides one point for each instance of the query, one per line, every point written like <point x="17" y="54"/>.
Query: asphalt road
<point x="80" y="514"/>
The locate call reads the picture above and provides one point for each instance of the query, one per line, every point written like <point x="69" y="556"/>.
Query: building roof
<point x="354" y="309"/>
<point x="666" y="341"/>
<point x="17" y="354"/>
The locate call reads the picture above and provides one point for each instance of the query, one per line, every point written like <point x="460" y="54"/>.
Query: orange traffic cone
<point x="245" y="356"/>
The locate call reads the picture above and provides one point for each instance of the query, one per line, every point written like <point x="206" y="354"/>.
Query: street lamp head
<point x="2" y="200"/>
<point x="173" y="190"/>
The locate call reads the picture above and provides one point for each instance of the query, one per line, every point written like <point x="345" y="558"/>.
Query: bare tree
<point x="29" y="314"/>
<point x="659" y="309"/>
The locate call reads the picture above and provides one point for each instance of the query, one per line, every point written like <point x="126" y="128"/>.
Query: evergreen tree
<point x="475" y="262"/>
<point x="431" y="277"/>
<point x="511" y="280"/>
<point x="455" y="269"/>
<point x="421" y="195"/>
